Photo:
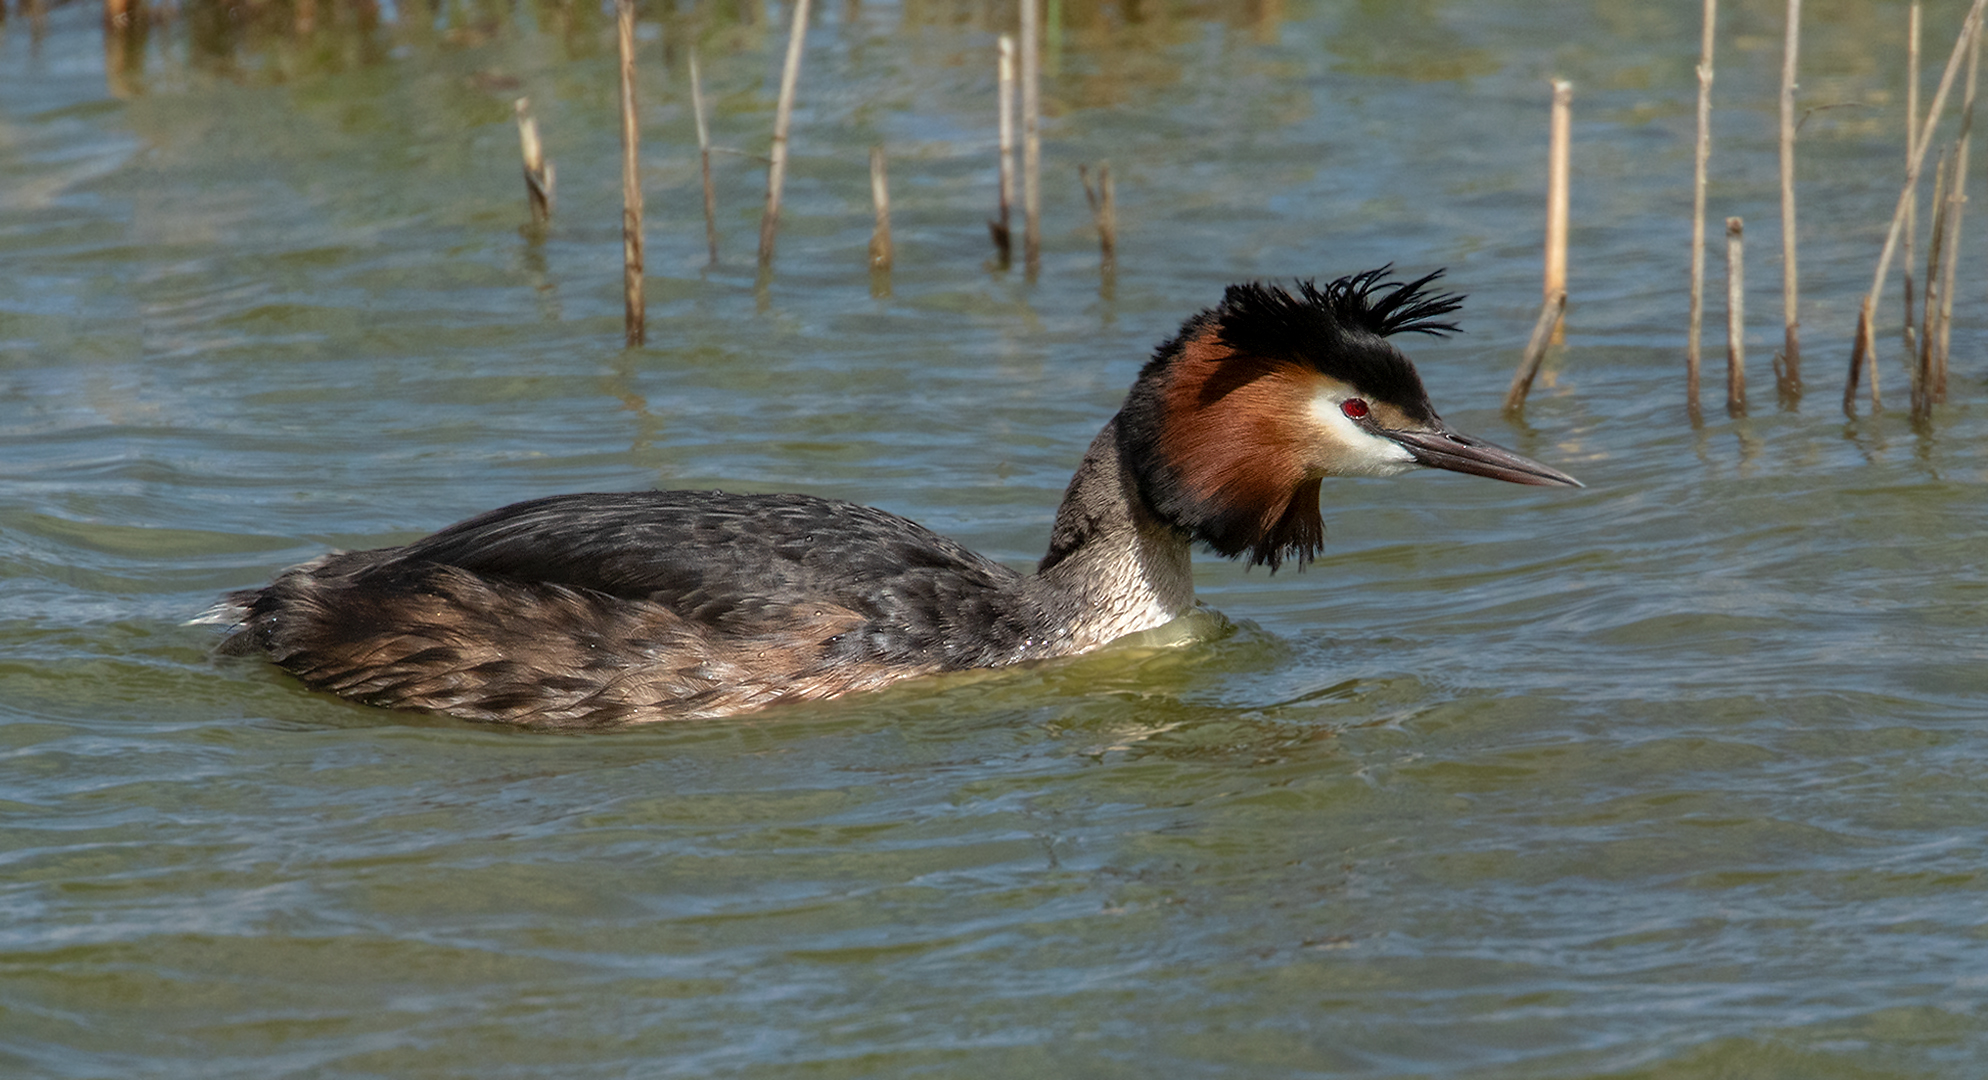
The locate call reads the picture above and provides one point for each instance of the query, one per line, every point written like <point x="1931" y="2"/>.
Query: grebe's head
<point x="1233" y="423"/>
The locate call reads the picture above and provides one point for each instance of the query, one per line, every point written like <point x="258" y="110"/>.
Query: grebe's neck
<point x="1114" y="567"/>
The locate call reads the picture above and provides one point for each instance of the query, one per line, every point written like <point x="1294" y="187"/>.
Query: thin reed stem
<point x="1788" y="373"/>
<point x="1556" y="193"/>
<point x="1103" y="213"/>
<point x="783" y="118"/>
<point x="1031" y="136"/>
<point x="704" y="157"/>
<point x="1860" y="351"/>
<point x="1911" y="333"/>
<point x="1550" y="313"/>
<point x="538" y="171"/>
<point x="1703" y="157"/>
<point x="635" y="314"/>
<point x="1005" y="89"/>
<point x="1919" y="365"/>
<point x="882" y="254"/>
<point x="1107" y="214"/>
<point x="1735" y="317"/>
<point x="1936" y="389"/>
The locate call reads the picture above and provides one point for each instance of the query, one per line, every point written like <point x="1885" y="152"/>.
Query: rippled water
<point x="1677" y="776"/>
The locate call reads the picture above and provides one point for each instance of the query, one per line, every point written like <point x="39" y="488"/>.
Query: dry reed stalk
<point x="1912" y="200"/>
<point x="783" y="117"/>
<point x="1788" y="372"/>
<point x="704" y="158"/>
<point x="1550" y="313"/>
<point x="117" y="14"/>
<point x="1936" y="390"/>
<point x="635" y="314"/>
<point x="1920" y="144"/>
<point x="998" y="229"/>
<point x="538" y="171"/>
<point x="1735" y="317"/>
<point x="1031" y="136"/>
<point x="1103" y="210"/>
<point x="882" y="254"/>
<point x="1704" y="156"/>
<point x="1556" y="194"/>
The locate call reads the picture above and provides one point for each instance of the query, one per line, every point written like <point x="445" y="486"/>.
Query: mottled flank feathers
<point x="593" y="609"/>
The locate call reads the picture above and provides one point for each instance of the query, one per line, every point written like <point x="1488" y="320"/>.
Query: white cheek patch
<point x="1349" y="449"/>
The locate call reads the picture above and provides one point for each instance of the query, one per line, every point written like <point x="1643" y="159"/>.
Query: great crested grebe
<point x="604" y="609"/>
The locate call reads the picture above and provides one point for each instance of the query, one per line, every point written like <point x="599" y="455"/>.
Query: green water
<point x="1677" y="776"/>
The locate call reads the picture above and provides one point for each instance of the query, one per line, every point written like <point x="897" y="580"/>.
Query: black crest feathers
<point x="1269" y="321"/>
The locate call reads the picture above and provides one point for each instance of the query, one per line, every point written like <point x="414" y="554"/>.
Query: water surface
<point x="1676" y="776"/>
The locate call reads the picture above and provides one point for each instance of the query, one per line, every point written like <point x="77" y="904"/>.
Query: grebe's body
<point x="595" y="610"/>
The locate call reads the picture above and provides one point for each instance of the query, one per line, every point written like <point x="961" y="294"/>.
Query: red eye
<point x="1354" y="408"/>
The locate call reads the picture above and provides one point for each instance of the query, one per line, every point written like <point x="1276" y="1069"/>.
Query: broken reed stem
<point x="1556" y="193"/>
<point x="1704" y="155"/>
<point x="1735" y="317"/>
<point x="704" y="157"/>
<point x="1912" y="198"/>
<point x="634" y="315"/>
<point x="1936" y="389"/>
<point x="1031" y="136"/>
<point x="783" y="117"/>
<point x="1103" y="211"/>
<point x="1788" y="373"/>
<point x="1550" y="313"/>
<point x="538" y="171"/>
<point x="1005" y="89"/>
<point x="881" y="252"/>
<point x="1920" y="143"/>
